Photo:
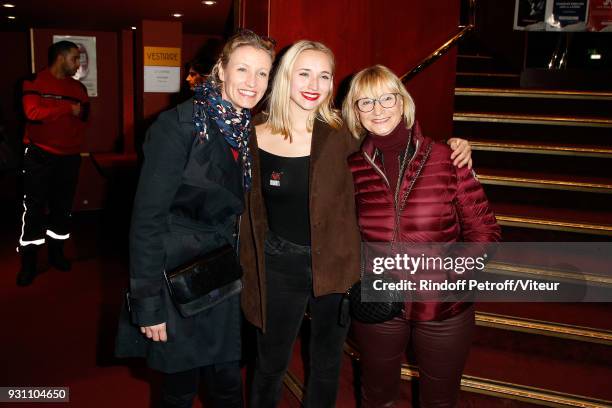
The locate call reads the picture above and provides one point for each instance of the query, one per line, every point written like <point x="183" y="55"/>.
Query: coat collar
<point x="422" y="147"/>
<point x="368" y="145"/>
<point x="320" y="136"/>
<point x="185" y="111"/>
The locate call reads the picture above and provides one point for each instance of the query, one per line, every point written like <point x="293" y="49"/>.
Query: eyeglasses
<point x="387" y="101"/>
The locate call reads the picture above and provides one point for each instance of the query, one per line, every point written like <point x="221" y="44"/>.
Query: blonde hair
<point x="278" y="108"/>
<point x="242" y="38"/>
<point x="370" y="83"/>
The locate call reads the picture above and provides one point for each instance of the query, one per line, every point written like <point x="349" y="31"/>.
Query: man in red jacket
<point x="56" y="109"/>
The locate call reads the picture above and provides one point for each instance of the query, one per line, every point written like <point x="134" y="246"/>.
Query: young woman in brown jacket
<point x="300" y="242"/>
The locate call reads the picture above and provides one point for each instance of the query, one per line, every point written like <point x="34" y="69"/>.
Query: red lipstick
<point x="310" y="96"/>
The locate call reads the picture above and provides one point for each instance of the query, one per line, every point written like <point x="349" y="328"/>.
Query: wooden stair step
<point x="559" y="219"/>
<point x="542" y="362"/>
<point x="529" y="179"/>
<point x="486" y="77"/>
<point x="484" y="64"/>
<point x="537" y="104"/>
<point x="545" y="328"/>
<point x="489" y="74"/>
<point x="534" y="147"/>
<point x="485" y="117"/>
<point x="533" y="93"/>
<point x="540" y="379"/>
<point x="590" y="316"/>
<point x="548" y="133"/>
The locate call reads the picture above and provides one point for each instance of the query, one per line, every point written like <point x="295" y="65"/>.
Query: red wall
<point x="103" y="128"/>
<point x="15" y="45"/>
<point x="154" y="34"/>
<point x="396" y="33"/>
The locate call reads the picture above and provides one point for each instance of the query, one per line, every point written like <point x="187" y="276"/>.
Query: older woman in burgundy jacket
<point x="398" y="167"/>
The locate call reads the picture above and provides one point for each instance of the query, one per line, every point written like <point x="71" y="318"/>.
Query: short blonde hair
<point x="242" y="38"/>
<point x="278" y="107"/>
<point x="371" y="83"/>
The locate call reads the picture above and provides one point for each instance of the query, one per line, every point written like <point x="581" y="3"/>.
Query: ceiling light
<point x="8" y="5"/>
<point x="209" y="2"/>
<point x="133" y="27"/>
<point x="11" y="17"/>
<point x="177" y="15"/>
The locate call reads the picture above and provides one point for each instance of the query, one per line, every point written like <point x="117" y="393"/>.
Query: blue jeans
<point x="289" y="294"/>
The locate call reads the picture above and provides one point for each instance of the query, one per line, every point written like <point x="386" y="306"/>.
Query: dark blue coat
<point x="188" y="198"/>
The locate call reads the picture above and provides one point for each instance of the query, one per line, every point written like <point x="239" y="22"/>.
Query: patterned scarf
<point x="234" y="125"/>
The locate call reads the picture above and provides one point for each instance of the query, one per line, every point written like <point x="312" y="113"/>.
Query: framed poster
<point x="566" y="15"/>
<point x="600" y="15"/>
<point x="529" y="15"/>
<point x="88" y="70"/>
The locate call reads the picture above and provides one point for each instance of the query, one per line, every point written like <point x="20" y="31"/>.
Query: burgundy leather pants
<point x="441" y="349"/>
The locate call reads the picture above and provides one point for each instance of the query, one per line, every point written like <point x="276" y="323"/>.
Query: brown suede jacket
<point x="335" y="239"/>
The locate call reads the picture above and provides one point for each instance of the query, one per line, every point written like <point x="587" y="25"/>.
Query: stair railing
<point x="465" y="29"/>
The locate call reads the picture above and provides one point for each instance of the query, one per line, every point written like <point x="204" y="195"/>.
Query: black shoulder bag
<point x="205" y="281"/>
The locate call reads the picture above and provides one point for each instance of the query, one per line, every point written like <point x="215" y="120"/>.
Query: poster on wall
<point x="88" y="70"/>
<point x="162" y="69"/>
<point x="529" y="15"/>
<point x="600" y="15"/>
<point x="566" y="15"/>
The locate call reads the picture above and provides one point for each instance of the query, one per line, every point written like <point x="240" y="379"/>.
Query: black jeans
<point x="289" y="293"/>
<point x="49" y="180"/>
<point x="223" y="384"/>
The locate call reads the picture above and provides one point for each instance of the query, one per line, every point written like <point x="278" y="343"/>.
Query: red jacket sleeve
<point x="478" y="223"/>
<point x="35" y="110"/>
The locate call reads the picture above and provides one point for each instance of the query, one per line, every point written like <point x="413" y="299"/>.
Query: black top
<point x="284" y="183"/>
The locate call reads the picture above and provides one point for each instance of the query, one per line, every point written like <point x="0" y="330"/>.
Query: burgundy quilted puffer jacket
<point x="443" y="204"/>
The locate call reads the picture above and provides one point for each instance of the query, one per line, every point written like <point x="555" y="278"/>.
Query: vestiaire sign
<point x="162" y="69"/>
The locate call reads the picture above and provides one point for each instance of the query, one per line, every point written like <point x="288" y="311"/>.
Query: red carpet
<point x="60" y="330"/>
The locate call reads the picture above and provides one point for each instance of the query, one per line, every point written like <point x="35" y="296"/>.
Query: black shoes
<point x="27" y="273"/>
<point x="56" y="255"/>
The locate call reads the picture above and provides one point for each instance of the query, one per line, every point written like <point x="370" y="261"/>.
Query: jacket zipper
<point x="378" y="170"/>
<point x="403" y="167"/>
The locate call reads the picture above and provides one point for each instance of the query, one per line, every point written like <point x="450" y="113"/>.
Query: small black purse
<point x="378" y="311"/>
<point x="205" y="282"/>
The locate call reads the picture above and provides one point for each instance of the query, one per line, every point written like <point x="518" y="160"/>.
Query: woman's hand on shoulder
<point x="462" y="152"/>
<point x="156" y="332"/>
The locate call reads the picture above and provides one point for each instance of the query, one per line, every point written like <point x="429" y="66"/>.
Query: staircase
<point x="544" y="158"/>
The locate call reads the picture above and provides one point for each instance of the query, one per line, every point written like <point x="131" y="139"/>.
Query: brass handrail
<point x="443" y="49"/>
